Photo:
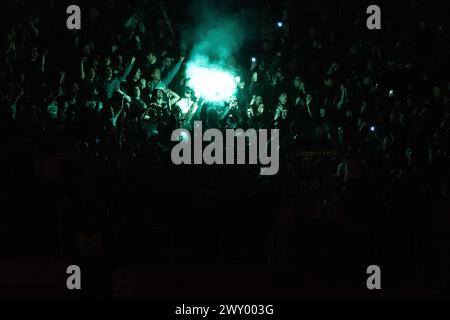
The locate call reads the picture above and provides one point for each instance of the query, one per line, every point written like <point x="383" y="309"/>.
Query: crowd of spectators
<point x="364" y="116"/>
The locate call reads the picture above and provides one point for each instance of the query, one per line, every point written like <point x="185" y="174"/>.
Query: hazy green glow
<point x="212" y="83"/>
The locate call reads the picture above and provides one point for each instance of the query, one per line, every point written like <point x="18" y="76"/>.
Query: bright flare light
<point x="212" y="83"/>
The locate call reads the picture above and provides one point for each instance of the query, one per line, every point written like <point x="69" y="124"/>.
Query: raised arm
<point x="343" y="99"/>
<point x="173" y="72"/>
<point x="127" y="70"/>
<point x="308" y="104"/>
<point x="192" y="110"/>
<point x="123" y="94"/>
<point x="44" y="57"/>
<point x="83" y="74"/>
<point x="173" y="97"/>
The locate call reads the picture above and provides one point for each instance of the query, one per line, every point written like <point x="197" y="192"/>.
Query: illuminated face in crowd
<point x="138" y="74"/>
<point x="151" y="58"/>
<point x="284" y="113"/>
<point x="159" y="95"/>
<point x="349" y="113"/>
<point x="156" y="74"/>
<point x="255" y="77"/>
<point x="143" y="83"/>
<point x="168" y="62"/>
<point x="283" y="99"/>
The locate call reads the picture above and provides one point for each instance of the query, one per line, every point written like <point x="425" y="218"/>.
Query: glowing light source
<point x="253" y="59"/>
<point x="280" y="24"/>
<point x="212" y="83"/>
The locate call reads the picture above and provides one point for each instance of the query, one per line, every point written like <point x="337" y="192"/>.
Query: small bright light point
<point x="280" y="24"/>
<point x="253" y="59"/>
<point x="211" y="83"/>
<point x="372" y="128"/>
<point x="237" y="79"/>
